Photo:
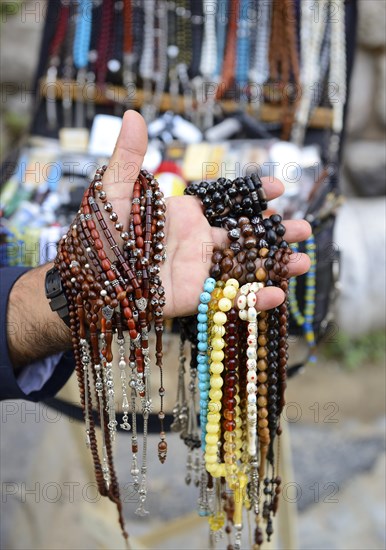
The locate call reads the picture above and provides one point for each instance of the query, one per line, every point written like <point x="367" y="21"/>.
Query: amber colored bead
<point x="284" y="271"/>
<point x="230" y="403"/>
<point x="105" y="265"/>
<point x="261" y="274"/>
<point x="162" y="446"/>
<point x="230" y="391"/>
<point x="262" y="364"/>
<point x="231" y="379"/>
<point x="229" y="425"/>
<point x="263" y="326"/>
<point x="241" y="256"/>
<point x="262" y="401"/>
<point x="130" y="323"/>
<point x="264" y="433"/>
<point x="262" y="340"/>
<point x="261" y="352"/>
<point x="262" y="422"/>
<point x="262" y="389"/>
<point x="237" y="272"/>
<point x="215" y="271"/>
<point x="217" y="256"/>
<point x="247" y="230"/>
<point x="263" y="252"/>
<point x="110" y="275"/>
<point x="128" y="315"/>
<point x="250" y="242"/>
<point x="229" y="415"/>
<point x="262" y="377"/>
<point x="226" y="264"/>
<point x="229" y="253"/>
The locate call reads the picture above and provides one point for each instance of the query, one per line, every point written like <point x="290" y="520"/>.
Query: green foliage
<point x="353" y="352"/>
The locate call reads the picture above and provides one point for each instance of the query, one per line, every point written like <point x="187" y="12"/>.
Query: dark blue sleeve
<point x="9" y="387"/>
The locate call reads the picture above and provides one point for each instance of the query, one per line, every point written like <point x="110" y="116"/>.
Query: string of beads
<point x="239" y="355"/>
<point x="241" y="360"/>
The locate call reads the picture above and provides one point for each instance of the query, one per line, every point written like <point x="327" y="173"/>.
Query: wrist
<point x="56" y="294"/>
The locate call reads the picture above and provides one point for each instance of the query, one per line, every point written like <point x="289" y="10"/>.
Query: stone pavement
<point x="336" y="420"/>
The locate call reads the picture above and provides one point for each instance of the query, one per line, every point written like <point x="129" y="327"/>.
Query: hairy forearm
<point x="33" y="330"/>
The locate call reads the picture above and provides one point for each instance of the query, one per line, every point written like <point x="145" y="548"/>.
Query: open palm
<point x="189" y="237"/>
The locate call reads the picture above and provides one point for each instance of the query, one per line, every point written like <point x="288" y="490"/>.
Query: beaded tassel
<point x="107" y="295"/>
<point x="241" y="357"/>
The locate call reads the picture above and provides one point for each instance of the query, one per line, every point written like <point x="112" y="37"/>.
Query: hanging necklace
<point x="259" y="72"/>
<point x="54" y="62"/>
<point x="81" y="49"/>
<point x="312" y="33"/>
<point x="305" y="320"/>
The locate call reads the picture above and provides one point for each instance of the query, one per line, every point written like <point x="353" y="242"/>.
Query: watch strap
<point x="56" y="294"/>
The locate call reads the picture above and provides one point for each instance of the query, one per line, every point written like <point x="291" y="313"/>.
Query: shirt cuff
<point x="34" y="376"/>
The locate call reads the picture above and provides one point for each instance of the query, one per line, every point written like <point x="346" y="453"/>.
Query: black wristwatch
<point x="56" y="294"/>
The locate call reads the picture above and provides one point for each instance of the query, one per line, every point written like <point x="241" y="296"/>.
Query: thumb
<point x="127" y="158"/>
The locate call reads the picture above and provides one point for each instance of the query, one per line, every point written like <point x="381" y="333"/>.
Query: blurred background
<point x="335" y="414"/>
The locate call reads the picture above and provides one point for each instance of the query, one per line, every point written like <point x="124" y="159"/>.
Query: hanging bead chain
<point x="108" y="294"/>
<point x="305" y="319"/>
<point x="219" y="42"/>
<point x="312" y="32"/>
<point x="241" y="359"/>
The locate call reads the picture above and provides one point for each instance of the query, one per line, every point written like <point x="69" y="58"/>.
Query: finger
<point x="127" y="158"/>
<point x="296" y="230"/>
<point x="298" y="264"/>
<point x="273" y="187"/>
<point x="268" y="298"/>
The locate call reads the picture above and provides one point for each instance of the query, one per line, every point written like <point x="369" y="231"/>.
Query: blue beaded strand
<point x="306" y="319"/>
<point x="202" y="355"/>
<point x="82" y="34"/>
<point x="243" y="44"/>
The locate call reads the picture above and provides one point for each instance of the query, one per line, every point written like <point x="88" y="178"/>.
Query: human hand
<point x="188" y="234"/>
